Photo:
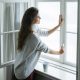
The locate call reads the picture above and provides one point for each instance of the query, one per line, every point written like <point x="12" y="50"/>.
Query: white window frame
<point x="12" y="31"/>
<point x="78" y="36"/>
<point x="62" y="30"/>
<point x="78" y="45"/>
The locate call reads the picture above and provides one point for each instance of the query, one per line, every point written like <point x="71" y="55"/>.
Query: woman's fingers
<point x="60" y="19"/>
<point x="61" y="51"/>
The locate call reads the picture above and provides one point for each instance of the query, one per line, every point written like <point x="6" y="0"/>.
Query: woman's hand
<point x="56" y="27"/>
<point x="61" y="51"/>
<point x="60" y="20"/>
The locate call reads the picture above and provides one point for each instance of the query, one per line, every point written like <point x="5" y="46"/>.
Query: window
<point x="71" y="31"/>
<point x="11" y="16"/>
<point x="10" y="19"/>
<point x="7" y="42"/>
<point x="49" y="18"/>
<point x="67" y="35"/>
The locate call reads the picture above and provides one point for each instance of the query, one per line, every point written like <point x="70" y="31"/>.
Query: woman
<point x="29" y="44"/>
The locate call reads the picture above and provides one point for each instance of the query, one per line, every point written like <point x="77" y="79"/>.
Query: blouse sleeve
<point x="36" y="28"/>
<point x="42" y="47"/>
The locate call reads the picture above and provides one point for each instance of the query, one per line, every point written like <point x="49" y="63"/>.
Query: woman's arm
<point x="36" y="28"/>
<point x="52" y="30"/>
<point x="56" y="27"/>
<point x="61" y="51"/>
<point x="42" y="47"/>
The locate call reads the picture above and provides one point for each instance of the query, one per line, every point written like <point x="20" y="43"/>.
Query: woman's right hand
<point x="61" y="51"/>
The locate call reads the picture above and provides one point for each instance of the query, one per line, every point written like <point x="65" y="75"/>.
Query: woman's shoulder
<point x="34" y="36"/>
<point x="35" y="27"/>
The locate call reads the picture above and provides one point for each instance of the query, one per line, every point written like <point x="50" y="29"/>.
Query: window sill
<point x="56" y="70"/>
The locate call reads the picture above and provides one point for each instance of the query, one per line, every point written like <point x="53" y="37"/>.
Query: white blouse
<point x="27" y="58"/>
<point x="37" y="29"/>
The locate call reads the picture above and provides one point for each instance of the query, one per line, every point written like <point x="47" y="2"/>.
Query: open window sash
<point x="10" y="18"/>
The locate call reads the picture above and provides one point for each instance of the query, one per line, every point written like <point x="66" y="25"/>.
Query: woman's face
<point x="37" y="20"/>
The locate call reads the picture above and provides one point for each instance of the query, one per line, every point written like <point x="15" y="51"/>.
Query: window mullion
<point x="13" y="28"/>
<point x="78" y="43"/>
<point x="62" y="29"/>
<point x="71" y="0"/>
<point x="47" y="0"/>
<point x="1" y="30"/>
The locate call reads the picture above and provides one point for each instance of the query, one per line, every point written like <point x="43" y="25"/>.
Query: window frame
<point x="13" y="31"/>
<point x="78" y="45"/>
<point x="62" y="7"/>
<point x="62" y="31"/>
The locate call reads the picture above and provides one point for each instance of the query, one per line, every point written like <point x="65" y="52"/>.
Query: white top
<point x="26" y="59"/>
<point x="37" y="30"/>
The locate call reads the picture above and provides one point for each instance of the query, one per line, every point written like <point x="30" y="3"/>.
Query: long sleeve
<point x="42" y="47"/>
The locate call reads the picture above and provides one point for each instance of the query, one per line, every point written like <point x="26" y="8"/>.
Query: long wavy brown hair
<point x="26" y="23"/>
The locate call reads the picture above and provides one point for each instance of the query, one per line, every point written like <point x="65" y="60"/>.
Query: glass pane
<point x="17" y="16"/>
<point x="49" y="12"/>
<point x="16" y="42"/>
<point x="8" y="17"/>
<point x="1" y="13"/>
<point x="71" y="47"/>
<point x="19" y="11"/>
<point x="7" y="48"/>
<point x="71" y="16"/>
<point x="12" y="16"/>
<point x="53" y="42"/>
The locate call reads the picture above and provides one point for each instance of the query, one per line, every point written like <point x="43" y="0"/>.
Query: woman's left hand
<point x="60" y="20"/>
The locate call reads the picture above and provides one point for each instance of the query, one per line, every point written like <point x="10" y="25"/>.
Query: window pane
<point x="8" y="17"/>
<point x="71" y="47"/>
<point x="53" y="42"/>
<point x="71" y="16"/>
<point x="12" y="16"/>
<point x="49" y="13"/>
<point x="17" y="16"/>
<point x="16" y="42"/>
<point x="7" y="48"/>
<point x="19" y="11"/>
